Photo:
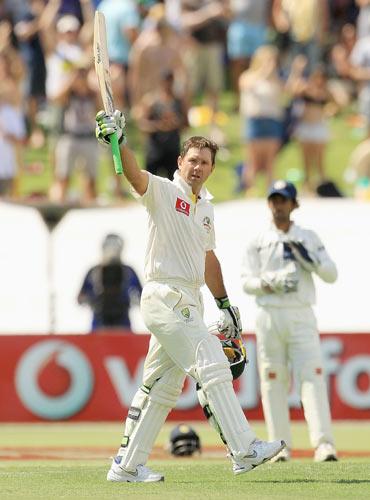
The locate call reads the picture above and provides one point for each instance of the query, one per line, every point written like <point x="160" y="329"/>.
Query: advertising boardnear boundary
<point x="94" y="377"/>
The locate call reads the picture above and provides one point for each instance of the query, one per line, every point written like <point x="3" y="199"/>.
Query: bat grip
<point x="116" y="154"/>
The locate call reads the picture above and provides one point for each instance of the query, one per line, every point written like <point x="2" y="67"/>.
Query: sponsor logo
<point x="207" y="224"/>
<point x="185" y="312"/>
<point x="54" y="379"/>
<point x="280" y="185"/>
<point x="182" y="206"/>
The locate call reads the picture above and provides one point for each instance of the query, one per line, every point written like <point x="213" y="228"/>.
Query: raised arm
<point x="107" y="125"/>
<point x="138" y="178"/>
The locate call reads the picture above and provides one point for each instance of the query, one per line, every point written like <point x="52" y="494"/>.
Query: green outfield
<point x="70" y="461"/>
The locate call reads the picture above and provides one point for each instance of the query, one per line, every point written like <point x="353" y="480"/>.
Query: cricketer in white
<point x="277" y="268"/>
<point x="179" y="260"/>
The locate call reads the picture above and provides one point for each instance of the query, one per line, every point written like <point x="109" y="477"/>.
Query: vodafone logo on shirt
<point x="182" y="206"/>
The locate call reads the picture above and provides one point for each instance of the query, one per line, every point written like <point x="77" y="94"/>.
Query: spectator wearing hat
<point x="278" y="268"/>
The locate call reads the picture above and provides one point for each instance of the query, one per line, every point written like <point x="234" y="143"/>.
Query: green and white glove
<point x="108" y="124"/>
<point x="229" y="324"/>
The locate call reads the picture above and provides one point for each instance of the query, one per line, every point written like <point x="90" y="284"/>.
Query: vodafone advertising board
<point x="94" y="377"/>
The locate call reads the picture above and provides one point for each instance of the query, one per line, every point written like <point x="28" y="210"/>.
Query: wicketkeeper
<point x="179" y="259"/>
<point x="277" y="268"/>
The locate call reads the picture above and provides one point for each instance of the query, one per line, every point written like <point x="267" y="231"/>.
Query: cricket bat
<point x="102" y="71"/>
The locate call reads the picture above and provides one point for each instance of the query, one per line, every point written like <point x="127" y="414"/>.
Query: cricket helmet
<point x="112" y="247"/>
<point x="234" y="354"/>
<point x="184" y="441"/>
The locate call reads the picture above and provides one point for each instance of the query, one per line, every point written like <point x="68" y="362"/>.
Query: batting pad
<point x="208" y="412"/>
<point x="147" y="414"/>
<point x="274" y="393"/>
<point x="215" y="378"/>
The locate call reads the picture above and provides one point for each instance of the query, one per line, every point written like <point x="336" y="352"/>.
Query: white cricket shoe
<point x="259" y="453"/>
<point x="142" y="474"/>
<point x="282" y="456"/>
<point x="325" y="452"/>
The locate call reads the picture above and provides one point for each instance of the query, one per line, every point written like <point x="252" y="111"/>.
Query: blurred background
<point x="202" y="59"/>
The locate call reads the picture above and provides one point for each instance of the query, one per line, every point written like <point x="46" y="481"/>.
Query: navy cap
<point x="284" y="188"/>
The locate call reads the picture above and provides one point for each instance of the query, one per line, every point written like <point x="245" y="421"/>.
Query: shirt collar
<point x="179" y="182"/>
<point x="279" y="231"/>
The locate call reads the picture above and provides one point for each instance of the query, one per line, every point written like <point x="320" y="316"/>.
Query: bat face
<point x="102" y="71"/>
<point x="102" y="62"/>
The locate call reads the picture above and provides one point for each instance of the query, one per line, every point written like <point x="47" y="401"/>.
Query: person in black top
<point x="110" y="288"/>
<point x="162" y="116"/>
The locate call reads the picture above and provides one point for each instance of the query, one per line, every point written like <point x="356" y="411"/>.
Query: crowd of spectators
<point x="290" y="65"/>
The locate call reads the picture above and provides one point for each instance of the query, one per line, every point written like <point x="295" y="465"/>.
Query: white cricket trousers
<point x="288" y="341"/>
<point x="181" y="345"/>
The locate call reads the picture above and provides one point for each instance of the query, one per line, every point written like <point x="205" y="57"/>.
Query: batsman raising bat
<point x="179" y="259"/>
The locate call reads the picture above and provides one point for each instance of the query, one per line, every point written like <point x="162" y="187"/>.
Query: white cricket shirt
<point x="180" y="231"/>
<point x="266" y="254"/>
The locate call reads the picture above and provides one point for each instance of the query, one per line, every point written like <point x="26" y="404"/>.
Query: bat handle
<point x="116" y="154"/>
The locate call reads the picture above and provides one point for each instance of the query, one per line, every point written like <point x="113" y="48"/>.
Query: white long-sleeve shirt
<point x="265" y="254"/>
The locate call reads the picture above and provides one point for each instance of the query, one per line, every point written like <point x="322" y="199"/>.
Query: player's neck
<point x="283" y="225"/>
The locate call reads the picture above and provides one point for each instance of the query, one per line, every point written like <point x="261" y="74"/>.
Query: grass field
<point x="70" y="461"/>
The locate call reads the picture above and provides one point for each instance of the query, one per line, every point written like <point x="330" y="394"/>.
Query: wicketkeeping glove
<point x="284" y="284"/>
<point x="284" y="280"/>
<point x="306" y="259"/>
<point x="229" y="324"/>
<point x="108" y="124"/>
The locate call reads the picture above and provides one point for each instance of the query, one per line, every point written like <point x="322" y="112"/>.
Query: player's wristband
<point x="223" y="302"/>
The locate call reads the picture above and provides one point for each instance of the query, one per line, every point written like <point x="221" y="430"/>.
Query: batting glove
<point x="108" y="124"/>
<point x="306" y="259"/>
<point x="229" y="324"/>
